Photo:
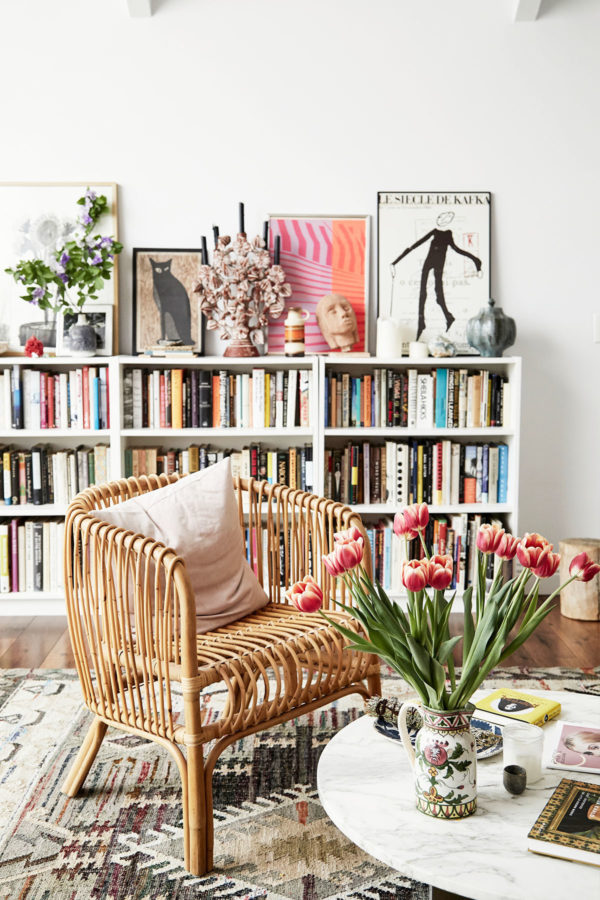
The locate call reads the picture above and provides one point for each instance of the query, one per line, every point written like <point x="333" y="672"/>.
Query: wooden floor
<point x="43" y="642"/>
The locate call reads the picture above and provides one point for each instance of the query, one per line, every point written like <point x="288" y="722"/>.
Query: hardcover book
<point x="518" y="705"/>
<point x="569" y="825"/>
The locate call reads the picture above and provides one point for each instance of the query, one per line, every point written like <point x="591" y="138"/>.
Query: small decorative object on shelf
<point x="490" y="332"/>
<point x="75" y="274"/>
<point x="417" y="643"/>
<point x="294" y="331"/>
<point x="441" y="347"/>
<point x="33" y="347"/>
<point x="337" y="321"/>
<point x="241" y="289"/>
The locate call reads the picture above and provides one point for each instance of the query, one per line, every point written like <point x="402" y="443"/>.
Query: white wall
<point x="313" y="106"/>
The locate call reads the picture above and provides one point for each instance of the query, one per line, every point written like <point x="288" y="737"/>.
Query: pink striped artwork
<point x="321" y="255"/>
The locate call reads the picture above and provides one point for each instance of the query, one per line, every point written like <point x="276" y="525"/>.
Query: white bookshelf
<point x="508" y="433"/>
<point x="119" y="439"/>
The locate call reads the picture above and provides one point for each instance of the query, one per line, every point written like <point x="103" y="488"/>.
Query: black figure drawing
<point x="173" y="304"/>
<point x="435" y="260"/>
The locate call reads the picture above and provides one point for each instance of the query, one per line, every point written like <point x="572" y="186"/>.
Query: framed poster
<point x="99" y="316"/>
<point x="325" y="260"/>
<point x="165" y="307"/>
<point x="434" y="260"/>
<point x="35" y="220"/>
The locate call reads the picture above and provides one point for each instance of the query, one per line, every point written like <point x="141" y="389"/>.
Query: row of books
<point x="42" y="475"/>
<point x="436" y="472"/>
<point x="36" y="399"/>
<point x="204" y="398"/>
<point x="293" y="466"/>
<point x="440" y="398"/>
<point x="453" y="535"/>
<point x="31" y="555"/>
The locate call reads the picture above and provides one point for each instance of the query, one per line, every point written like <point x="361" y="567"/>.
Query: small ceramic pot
<point x="241" y="347"/>
<point x="82" y="337"/>
<point x="490" y="331"/>
<point x="294" y="331"/>
<point x="444" y="761"/>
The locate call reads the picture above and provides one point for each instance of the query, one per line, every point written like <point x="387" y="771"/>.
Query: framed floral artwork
<point x="165" y="308"/>
<point x="326" y="263"/>
<point x="433" y="261"/>
<point x="35" y="220"/>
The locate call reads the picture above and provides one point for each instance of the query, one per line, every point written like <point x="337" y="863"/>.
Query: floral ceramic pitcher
<point x="443" y="761"/>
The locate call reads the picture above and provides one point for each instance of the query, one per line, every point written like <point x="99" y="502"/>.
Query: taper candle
<point x="242" y="229"/>
<point x="216" y="233"/>
<point x="277" y="250"/>
<point x="204" y="251"/>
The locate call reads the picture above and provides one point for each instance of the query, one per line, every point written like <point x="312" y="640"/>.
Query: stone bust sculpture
<point x="337" y="321"/>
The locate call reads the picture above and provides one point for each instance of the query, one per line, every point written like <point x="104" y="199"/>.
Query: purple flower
<point x="90" y="195"/>
<point x="64" y="278"/>
<point x="38" y="293"/>
<point x="97" y="260"/>
<point x="64" y="258"/>
<point x="86" y="219"/>
<point x="106" y="242"/>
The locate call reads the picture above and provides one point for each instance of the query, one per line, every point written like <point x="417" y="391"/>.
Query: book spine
<point x="177" y="397"/>
<point x="4" y="558"/>
<point x="502" y="473"/>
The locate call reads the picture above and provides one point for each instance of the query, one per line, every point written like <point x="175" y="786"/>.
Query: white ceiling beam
<point x="139" y="8"/>
<point x="527" y="10"/>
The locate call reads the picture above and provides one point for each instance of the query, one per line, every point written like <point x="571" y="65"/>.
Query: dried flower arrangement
<point x="241" y="290"/>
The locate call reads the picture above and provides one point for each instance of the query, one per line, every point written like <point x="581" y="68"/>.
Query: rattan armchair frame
<point x="132" y="622"/>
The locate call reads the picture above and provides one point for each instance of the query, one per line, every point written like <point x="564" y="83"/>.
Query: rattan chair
<point x="275" y="664"/>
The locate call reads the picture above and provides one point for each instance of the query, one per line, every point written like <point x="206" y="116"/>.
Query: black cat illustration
<point x="173" y="304"/>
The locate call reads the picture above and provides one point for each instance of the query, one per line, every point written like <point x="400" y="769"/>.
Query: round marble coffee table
<point x="365" y="785"/>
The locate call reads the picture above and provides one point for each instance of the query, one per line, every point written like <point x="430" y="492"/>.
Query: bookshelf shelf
<point x="196" y="434"/>
<point x="399" y="433"/>
<point x="489" y="509"/>
<point x="48" y="435"/>
<point x="27" y="510"/>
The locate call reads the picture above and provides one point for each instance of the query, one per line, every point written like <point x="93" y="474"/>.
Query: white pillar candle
<point x="390" y="336"/>
<point x="522" y="746"/>
<point x="418" y="350"/>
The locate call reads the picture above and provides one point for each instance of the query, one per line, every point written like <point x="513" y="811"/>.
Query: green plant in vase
<point x="76" y="271"/>
<point x="498" y="617"/>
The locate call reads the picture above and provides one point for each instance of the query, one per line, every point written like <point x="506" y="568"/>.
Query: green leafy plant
<point x="77" y="270"/>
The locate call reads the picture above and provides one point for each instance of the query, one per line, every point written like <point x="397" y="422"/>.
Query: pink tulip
<point x="507" y="546"/>
<point x="306" y="595"/>
<point x="411" y="520"/>
<point x="346" y="537"/>
<point x="583" y="568"/>
<point x="489" y="537"/>
<point x="531" y="549"/>
<point x="414" y="574"/>
<point x="346" y="554"/>
<point x="547" y="565"/>
<point x="440" y="572"/>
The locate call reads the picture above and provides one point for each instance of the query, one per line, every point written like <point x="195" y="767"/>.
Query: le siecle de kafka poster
<point x="434" y="260"/>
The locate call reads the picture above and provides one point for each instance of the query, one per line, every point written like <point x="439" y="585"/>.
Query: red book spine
<point x="14" y="555"/>
<point x="43" y="400"/>
<point x="163" y="401"/>
<point x="85" y="377"/>
<point x="443" y="537"/>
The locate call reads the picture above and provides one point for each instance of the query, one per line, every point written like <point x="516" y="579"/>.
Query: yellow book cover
<point x="518" y="705"/>
<point x="177" y="398"/>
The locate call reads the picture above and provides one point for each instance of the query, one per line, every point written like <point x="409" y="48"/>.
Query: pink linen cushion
<point x="197" y="517"/>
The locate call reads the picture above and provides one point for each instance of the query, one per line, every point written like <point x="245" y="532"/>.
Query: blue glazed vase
<point x="82" y="337"/>
<point x="490" y="331"/>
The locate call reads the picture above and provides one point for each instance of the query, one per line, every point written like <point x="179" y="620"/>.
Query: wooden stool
<point x="579" y="600"/>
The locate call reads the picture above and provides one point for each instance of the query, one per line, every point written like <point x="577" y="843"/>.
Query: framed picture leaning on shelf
<point x="36" y="219"/>
<point x="100" y="317"/>
<point x="326" y="262"/>
<point x="165" y="308"/>
<point x="433" y="260"/>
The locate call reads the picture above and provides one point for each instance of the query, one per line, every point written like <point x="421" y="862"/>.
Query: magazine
<point x="569" y="824"/>
<point x="574" y="745"/>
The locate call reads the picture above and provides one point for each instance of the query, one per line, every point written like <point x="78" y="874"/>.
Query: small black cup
<point x="514" y="779"/>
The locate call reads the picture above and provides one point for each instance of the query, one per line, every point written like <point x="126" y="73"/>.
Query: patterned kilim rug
<point x="122" y="837"/>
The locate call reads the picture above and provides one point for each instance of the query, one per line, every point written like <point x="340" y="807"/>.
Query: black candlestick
<point x="204" y="252"/>
<point x="277" y="249"/>
<point x="216" y="233"/>
<point x="242" y="229"/>
<point x="266" y="233"/>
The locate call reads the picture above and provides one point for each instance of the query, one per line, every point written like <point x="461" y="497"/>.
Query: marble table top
<point x="365" y="785"/>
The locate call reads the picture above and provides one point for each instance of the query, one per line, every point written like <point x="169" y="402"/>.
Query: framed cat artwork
<point x="166" y="314"/>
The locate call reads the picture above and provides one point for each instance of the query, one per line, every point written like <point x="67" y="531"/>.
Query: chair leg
<point x="197" y="808"/>
<point x="85" y="758"/>
<point x="374" y="685"/>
